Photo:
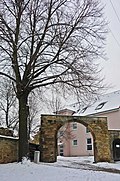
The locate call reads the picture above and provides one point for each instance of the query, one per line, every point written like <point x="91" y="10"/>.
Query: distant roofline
<point x="111" y="92"/>
<point x="102" y="112"/>
<point x="64" y="110"/>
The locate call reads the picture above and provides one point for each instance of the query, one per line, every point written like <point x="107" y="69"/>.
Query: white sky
<point x="111" y="66"/>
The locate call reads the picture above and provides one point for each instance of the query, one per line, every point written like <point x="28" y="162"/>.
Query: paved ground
<point x="85" y="166"/>
<point x="82" y="165"/>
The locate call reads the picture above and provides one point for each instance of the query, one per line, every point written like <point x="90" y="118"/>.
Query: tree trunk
<point x="23" y="131"/>
<point x="7" y="111"/>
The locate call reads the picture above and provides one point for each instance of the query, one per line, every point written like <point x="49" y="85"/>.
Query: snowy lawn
<point x="58" y="171"/>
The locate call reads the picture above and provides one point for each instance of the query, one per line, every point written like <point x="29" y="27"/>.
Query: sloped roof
<point x="65" y="110"/>
<point x="106" y="103"/>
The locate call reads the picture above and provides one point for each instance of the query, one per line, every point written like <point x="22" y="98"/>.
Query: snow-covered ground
<point x="65" y="169"/>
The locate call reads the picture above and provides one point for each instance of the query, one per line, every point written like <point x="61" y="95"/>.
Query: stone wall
<point x="8" y="149"/>
<point x="103" y="139"/>
<point x="6" y="132"/>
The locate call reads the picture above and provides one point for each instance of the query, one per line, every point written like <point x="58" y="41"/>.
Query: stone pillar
<point x="101" y="140"/>
<point x="48" y="141"/>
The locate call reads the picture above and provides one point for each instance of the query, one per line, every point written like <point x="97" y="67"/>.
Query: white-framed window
<point x="61" y="150"/>
<point x="74" y="142"/>
<point x="61" y="133"/>
<point x="89" y="141"/>
<point x="87" y="130"/>
<point x="89" y="147"/>
<point x="74" y="126"/>
<point x="89" y="144"/>
<point x="100" y="105"/>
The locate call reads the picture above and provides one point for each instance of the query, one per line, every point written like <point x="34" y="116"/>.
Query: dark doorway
<point x="116" y="150"/>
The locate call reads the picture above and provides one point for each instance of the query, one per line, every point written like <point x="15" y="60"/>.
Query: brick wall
<point x="8" y="149"/>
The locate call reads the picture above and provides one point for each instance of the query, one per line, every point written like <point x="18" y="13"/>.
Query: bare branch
<point x="6" y="75"/>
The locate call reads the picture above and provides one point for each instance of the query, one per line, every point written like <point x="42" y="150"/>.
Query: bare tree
<point x="9" y="108"/>
<point x="8" y="104"/>
<point x="54" y="99"/>
<point x="34" y="114"/>
<point x="46" y="42"/>
<point x="65" y="132"/>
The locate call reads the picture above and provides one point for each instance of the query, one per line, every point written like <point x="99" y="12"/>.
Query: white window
<point x="89" y="141"/>
<point x="89" y="147"/>
<point x="89" y="144"/>
<point x="61" y="133"/>
<point x="87" y="130"/>
<point x="61" y="150"/>
<point x="74" y="126"/>
<point x="74" y="142"/>
<point x="100" y="105"/>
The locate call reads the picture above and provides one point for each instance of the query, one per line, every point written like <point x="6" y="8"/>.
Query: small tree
<point x="65" y="132"/>
<point x="8" y="104"/>
<point x="34" y="114"/>
<point x="46" y="42"/>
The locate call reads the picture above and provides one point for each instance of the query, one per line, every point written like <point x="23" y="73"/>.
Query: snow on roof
<point x="9" y="137"/>
<point x="105" y="103"/>
<point x="65" y="110"/>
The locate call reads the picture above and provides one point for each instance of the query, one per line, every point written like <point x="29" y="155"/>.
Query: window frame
<point x="89" y="144"/>
<point x="87" y="130"/>
<point x="89" y="149"/>
<point x="100" y="106"/>
<point x="73" y="141"/>
<point x="89" y="141"/>
<point x="74" y="124"/>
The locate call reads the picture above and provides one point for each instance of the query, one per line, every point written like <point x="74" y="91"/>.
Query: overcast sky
<point x="111" y="67"/>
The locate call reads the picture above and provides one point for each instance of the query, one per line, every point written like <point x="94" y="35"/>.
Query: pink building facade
<point x="74" y="139"/>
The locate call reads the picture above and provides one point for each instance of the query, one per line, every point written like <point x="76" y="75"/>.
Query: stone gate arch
<point x="50" y="124"/>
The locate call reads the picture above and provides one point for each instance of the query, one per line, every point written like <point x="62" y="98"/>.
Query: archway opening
<point x="75" y="140"/>
<point x="116" y="150"/>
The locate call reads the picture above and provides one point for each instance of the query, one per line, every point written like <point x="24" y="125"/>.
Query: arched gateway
<point x="50" y="124"/>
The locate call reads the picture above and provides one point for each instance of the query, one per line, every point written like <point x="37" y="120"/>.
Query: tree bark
<point x="7" y="111"/>
<point x="23" y="131"/>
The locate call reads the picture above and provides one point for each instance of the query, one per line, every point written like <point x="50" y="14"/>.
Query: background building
<point x="74" y="139"/>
